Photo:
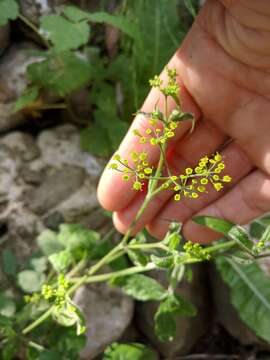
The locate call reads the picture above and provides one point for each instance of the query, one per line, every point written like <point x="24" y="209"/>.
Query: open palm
<point x="224" y="74"/>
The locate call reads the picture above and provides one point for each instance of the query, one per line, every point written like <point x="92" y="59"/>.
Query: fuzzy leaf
<point x="240" y="235"/>
<point x="216" y="224"/>
<point x="250" y="293"/>
<point x="7" y="305"/>
<point x="9" y="10"/>
<point x="132" y="351"/>
<point x="137" y="257"/>
<point x="64" y="34"/>
<point x="48" y="242"/>
<point x="60" y="261"/>
<point x="173" y="305"/>
<point x="30" y="281"/>
<point x="60" y="73"/>
<point x="143" y="288"/>
<point x="95" y="140"/>
<point x="163" y="262"/>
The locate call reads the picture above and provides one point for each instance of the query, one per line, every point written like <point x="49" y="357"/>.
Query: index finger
<point x="113" y="193"/>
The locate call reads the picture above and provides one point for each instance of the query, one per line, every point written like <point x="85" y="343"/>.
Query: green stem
<point x="39" y="321"/>
<point x="222" y="246"/>
<point x="34" y="28"/>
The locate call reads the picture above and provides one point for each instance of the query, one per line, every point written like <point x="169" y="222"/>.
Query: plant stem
<point x="223" y="246"/>
<point x="37" y="322"/>
<point x="34" y="28"/>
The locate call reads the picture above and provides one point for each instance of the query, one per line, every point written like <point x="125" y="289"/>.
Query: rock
<point x="189" y="329"/>
<point x="4" y="37"/>
<point x="50" y="176"/>
<point x="13" y="82"/>
<point x="108" y="314"/>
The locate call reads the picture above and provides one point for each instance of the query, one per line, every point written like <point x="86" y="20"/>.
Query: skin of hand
<point x="223" y="70"/>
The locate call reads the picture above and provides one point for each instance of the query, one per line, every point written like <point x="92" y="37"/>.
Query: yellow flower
<point x="226" y="178"/>
<point x="117" y="157"/>
<point x="204" y="181"/>
<point x="177" y="188"/>
<point x="113" y="166"/>
<point x="137" y="185"/>
<point x="194" y="195"/>
<point x="134" y="156"/>
<point x="148" y="170"/>
<point x="218" y="157"/>
<point x="198" y="170"/>
<point x="152" y="121"/>
<point x="148" y="131"/>
<point x="143" y="156"/>
<point x="218" y="186"/>
<point x="153" y="141"/>
<point x="189" y="171"/>
<point x="143" y="140"/>
<point x="221" y="166"/>
<point x="141" y="176"/>
<point x="173" y="178"/>
<point x="215" y="177"/>
<point x="201" y="188"/>
<point x="177" y="197"/>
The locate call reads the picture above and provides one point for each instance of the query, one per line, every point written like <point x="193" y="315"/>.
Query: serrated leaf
<point x="240" y="236"/>
<point x="30" y="281"/>
<point x="173" y="305"/>
<point x="48" y="242"/>
<point x="9" y="10"/>
<point x="26" y="99"/>
<point x="60" y="261"/>
<point x="61" y="73"/>
<point x="64" y="35"/>
<point x="216" y="224"/>
<point x="132" y="351"/>
<point x="143" y="288"/>
<point x="249" y="292"/>
<point x="118" y="21"/>
<point x="9" y="262"/>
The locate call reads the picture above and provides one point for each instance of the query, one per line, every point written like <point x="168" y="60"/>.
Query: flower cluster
<point x="161" y="128"/>
<point x="56" y="295"/>
<point x="189" y="184"/>
<point x="196" y="250"/>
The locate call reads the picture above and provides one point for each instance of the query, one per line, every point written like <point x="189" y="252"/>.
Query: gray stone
<point x="189" y="329"/>
<point x="108" y="314"/>
<point x="4" y="37"/>
<point x="13" y="82"/>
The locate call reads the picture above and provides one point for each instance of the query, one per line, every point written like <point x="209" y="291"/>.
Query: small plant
<point x="74" y="256"/>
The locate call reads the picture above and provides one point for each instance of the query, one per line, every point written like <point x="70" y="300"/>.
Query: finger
<point x="113" y="194"/>
<point x="247" y="201"/>
<point x="237" y="166"/>
<point x="205" y="139"/>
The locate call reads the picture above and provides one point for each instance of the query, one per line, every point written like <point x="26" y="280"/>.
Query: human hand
<point x="224" y="74"/>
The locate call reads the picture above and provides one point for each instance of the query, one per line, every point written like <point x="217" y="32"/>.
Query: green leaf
<point x="61" y="73"/>
<point x="74" y="236"/>
<point x="26" y="99"/>
<point x="60" y="261"/>
<point x="240" y="236"/>
<point x="10" y="350"/>
<point x="7" y="305"/>
<point x="38" y="263"/>
<point x="9" y="10"/>
<point x="137" y="257"/>
<point x="68" y="315"/>
<point x="30" y="281"/>
<point x="163" y="262"/>
<point x="132" y="351"/>
<point x="216" y="224"/>
<point x="143" y="288"/>
<point x="64" y="34"/>
<point x="190" y="7"/>
<point x="173" y="237"/>
<point x="118" y="21"/>
<point x="173" y="305"/>
<point x="258" y="226"/>
<point x="9" y="262"/>
<point x="48" y="242"/>
<point x="95" y="140"/>
<point x="249" y="292"/>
